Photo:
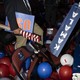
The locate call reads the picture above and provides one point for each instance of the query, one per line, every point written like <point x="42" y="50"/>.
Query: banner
<point x="65" y="30"/>
<point x="25" y="21"/>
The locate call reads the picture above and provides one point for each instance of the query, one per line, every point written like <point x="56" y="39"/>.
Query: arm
<point x="10" y="13"/>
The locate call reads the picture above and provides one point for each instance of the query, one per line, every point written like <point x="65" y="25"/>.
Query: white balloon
<point x="66" y="59"/>
<point x="76" y="76"/>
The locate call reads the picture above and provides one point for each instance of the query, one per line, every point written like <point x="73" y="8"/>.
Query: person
<point x="12" y="6"/>
<point x="22" y="6"/>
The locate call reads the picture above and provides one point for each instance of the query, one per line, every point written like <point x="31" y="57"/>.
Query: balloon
<point x="12" y="71"/>
<point x="5" y="60"/>
<point x="66" y="59"/>
<point x="44" y="70"/>
<point x="26" y="64"/>
<point x="65" y="73"/>
<point x="76" y="76"/>
<point x="2" y="54"/>
<point x="4" y="70"/>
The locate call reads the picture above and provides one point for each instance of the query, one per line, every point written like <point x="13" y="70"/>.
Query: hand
<point x="17" y="31"/>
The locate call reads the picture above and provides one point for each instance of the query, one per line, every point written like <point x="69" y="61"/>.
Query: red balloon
<point x="12" y="71"/>
<point x="65" y="73"/>
<point x="5" y="60"/>
<point x="4" y="70"/>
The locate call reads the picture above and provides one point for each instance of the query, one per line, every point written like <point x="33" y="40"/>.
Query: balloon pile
<point x="65" y="71"/>
<point x="6" y="68"/>
<point x="43" y="70"/>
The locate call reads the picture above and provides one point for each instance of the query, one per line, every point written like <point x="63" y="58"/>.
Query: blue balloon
<point x="26" y="64"/>
<point x="2" y="54"/>
<point x="44" y="70"/>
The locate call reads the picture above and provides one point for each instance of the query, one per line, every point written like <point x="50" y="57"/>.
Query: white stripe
<point x="27" y="4"/>
<point x="20" y="31"/>
<point x="37" y="38"/>
<point x="24" y="33"/>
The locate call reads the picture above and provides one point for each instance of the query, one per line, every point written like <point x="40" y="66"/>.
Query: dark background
<point x="2" y="12"/>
